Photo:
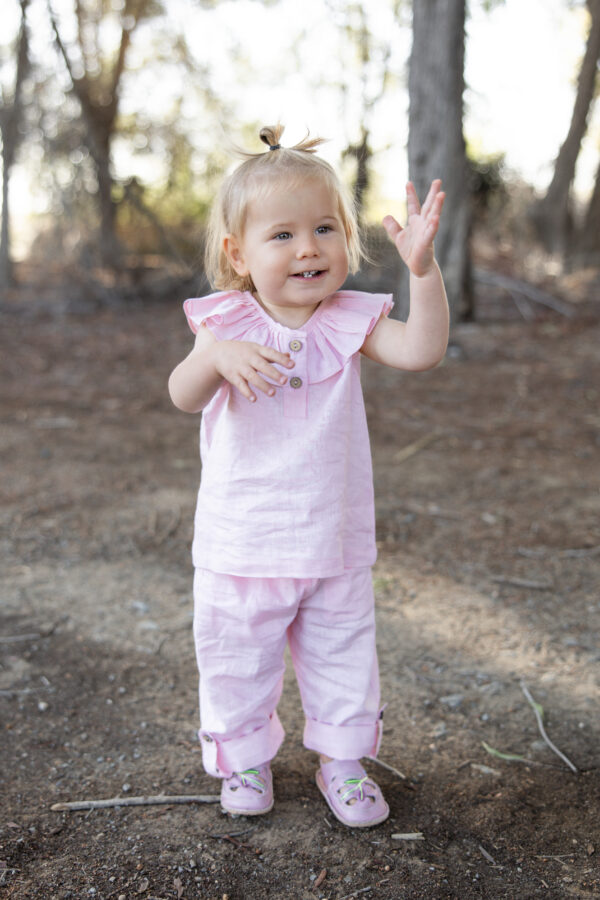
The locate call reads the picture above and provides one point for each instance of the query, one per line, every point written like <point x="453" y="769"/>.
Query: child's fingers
<point x="431" y="197"/>
<point x="242" y="385"/>
<point x="392" y="227"/>
<point x="413" y="206"/>
<point x="438" y="204"/>
<point x="273" y="355"/>
<point x="262" y="385"/>
<point x="271" y="372"/>
<point x="248" y="378"/>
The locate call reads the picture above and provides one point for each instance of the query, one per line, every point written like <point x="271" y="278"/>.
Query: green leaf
<point x="500" y="755"/>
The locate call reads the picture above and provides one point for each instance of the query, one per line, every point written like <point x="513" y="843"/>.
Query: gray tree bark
<point x="552" y="215"/>
<point x="99" y="101"/>
<point x="436" y="146"/>
<point x="588" y="240"/>
<point x="10" y="116"/>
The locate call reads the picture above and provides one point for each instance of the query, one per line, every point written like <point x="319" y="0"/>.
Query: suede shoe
<point x="248" y="793"/>
<point x="353" y="797"/>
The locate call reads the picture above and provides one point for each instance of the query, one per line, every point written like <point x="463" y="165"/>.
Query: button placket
<point x="295" y="397"/>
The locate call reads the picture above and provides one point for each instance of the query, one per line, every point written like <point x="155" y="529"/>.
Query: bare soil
<point x="487" y="484"/>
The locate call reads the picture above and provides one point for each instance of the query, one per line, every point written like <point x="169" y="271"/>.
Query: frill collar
<point x="336" y="330"/>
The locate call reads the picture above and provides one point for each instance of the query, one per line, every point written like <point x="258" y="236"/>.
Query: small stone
<point x="42" y="706"/>
<point x="126" y="788"/>
<point x="453" y="700"/>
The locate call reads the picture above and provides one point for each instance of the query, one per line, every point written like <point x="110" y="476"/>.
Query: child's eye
<point x="283" y="236"/>
<point x="324" y="229"/>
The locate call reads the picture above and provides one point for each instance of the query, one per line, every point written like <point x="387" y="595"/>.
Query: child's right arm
<point x="196" y="379"/>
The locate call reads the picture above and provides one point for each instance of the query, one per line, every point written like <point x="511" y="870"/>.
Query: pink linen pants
<point x="241" y="626"/>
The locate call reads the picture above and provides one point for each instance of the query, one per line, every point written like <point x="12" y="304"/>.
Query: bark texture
<point x="436" y="146"/>
<point x="553" y="216"/>
<point x="10" y="117"/>
<point x="98" y="96"/>
<point x="588" y="243"/>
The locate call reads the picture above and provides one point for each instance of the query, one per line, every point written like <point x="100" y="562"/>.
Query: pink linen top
<point x="287" y="486"/>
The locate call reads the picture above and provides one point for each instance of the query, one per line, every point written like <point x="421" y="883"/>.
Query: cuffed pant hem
<point x="344" y="741"/>
<point x="222" y="756"/>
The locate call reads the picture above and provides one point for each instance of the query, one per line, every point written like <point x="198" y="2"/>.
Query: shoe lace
<point x="356" y="784"/>
<point x="251" y="778"/>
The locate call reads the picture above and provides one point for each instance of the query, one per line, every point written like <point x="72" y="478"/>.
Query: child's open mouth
<point x="313" y="273"/>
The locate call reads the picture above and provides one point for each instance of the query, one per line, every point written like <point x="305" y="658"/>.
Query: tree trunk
<point x="6" y="271"/>
<point x="436" y="146"/>
<point x="588" y="240"/>
<point x="552" y="215"/>
<point x="361" y="183"/>
<point x="99" y="140"/>
<point x="10" y="115"/>
<point x="99" y="105"/>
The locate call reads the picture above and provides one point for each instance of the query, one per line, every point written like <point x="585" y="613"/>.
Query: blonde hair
<point x="255" y="178"/>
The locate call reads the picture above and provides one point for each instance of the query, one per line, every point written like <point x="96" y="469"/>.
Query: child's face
<point x="294" y="248"/>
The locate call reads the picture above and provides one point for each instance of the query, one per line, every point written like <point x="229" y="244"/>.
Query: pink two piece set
<point x="284" y="539"/>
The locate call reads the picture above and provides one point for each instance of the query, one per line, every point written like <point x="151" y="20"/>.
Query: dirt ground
<point x="487" y="484"/>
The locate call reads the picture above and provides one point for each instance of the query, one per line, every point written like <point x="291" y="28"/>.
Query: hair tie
<point x="274" y="146"/>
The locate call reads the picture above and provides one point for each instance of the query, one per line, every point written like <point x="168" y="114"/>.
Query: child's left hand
<point x="415" y="242"/>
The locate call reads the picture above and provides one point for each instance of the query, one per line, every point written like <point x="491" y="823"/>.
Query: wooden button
<point x="295" y="382"/>
<point x="295" y="345"/>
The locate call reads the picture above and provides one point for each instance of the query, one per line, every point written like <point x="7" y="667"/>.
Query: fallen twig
<point x="388" y="767"/>
<point x="487" y="855"/>
<point x="523" y="583"/>
<point x="355" y="893"/>
<point x="577" y="553"/>
<point x="530" y="291"/>
<point x="409" y="836"/>
<point x="32" y="635"/>
<point x="230" y="834"/>
<point x="236" y="843"/>
<point x="538" y="715"/>
<point x="15" y="638"/>
<point x="567" y="553"/>
<point x="417" y="446"/>
<point x="159" y="800"/>
<point x="508" y="757"/>
<point x="320" y="878"/>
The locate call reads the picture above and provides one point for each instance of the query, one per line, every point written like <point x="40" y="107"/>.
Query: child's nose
<point x="307" y="246"/>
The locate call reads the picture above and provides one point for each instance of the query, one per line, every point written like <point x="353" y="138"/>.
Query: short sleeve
<point x="346" y="319"/>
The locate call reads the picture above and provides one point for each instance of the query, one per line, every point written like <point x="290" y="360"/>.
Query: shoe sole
<point x="338" y="815"/>
<point x="247" y="812"/>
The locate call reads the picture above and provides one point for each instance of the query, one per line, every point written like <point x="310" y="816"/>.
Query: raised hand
<point x="415" y="242"/>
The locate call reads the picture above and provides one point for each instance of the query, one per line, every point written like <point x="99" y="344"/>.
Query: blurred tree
<point x="553" y="214"/>
<point x="96" y="65"/>
<point x="11" y="111"/>
<point x="436" y="146"/>
<point x="588" y="237"/>
<point x="374" y="73"/>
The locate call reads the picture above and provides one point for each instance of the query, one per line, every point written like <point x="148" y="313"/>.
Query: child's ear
<point x="233" y="252"/>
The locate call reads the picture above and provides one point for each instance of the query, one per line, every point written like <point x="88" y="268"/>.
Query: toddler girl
<point x="284" y="526"/>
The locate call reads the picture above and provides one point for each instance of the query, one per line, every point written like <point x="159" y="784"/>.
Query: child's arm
<point x="196" y="379"/>
<point x="420" y="342"/>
